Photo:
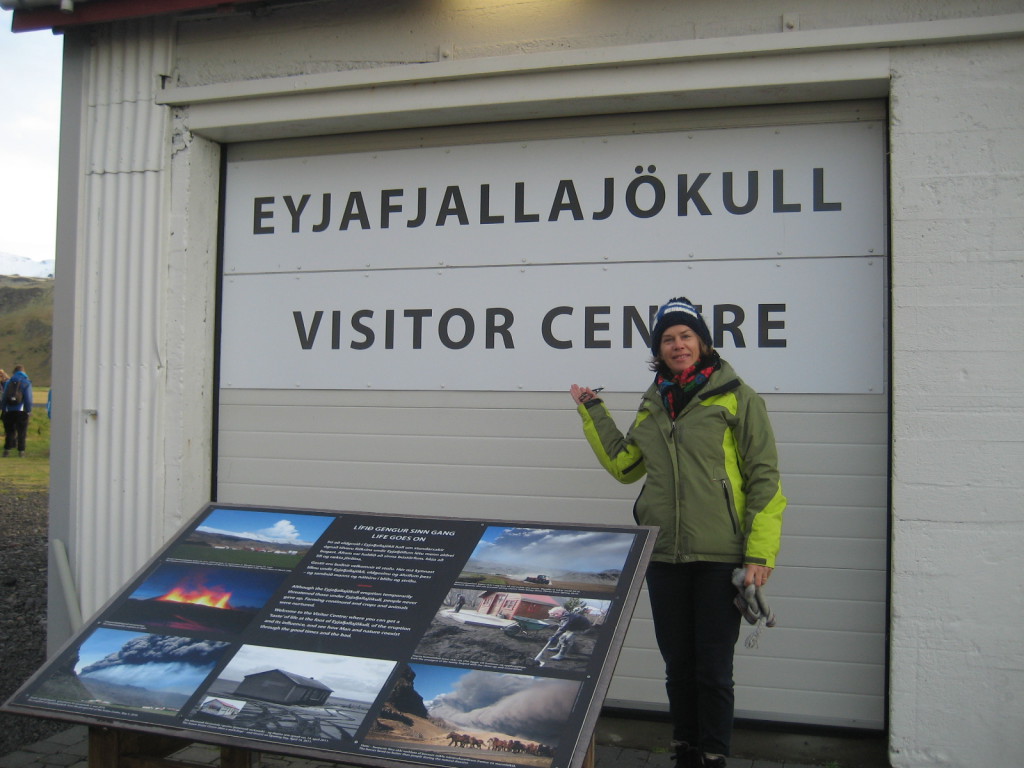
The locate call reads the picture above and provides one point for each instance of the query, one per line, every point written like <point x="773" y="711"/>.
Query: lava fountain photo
<point x="211" y="597"/>
<point x="210" y="600"/>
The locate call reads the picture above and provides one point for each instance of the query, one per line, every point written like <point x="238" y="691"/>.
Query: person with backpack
<point x="16" y="405"/>
<point x="3" y="381"/>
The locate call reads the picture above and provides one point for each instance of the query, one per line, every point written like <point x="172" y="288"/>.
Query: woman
<point x="703" y="440"/>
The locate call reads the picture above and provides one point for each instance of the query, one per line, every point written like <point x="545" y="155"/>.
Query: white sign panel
<point x="533" y="265"/>
<point x="791" y="191"/>
<point x="786" y="325"/>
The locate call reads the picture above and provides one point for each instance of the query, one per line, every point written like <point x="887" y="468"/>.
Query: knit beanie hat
<point x="678" y="311"/>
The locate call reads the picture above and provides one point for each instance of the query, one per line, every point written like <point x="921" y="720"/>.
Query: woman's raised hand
<point x="580" y="394"/>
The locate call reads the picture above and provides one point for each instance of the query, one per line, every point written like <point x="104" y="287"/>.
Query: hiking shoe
<point x="687" y="756"/>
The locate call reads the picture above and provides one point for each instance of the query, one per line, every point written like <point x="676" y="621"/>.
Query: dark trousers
<point x="697" y="626"/>
<point x="15" y="429"/>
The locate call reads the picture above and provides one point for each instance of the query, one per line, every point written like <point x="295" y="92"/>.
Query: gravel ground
<point x="22" y="609"/>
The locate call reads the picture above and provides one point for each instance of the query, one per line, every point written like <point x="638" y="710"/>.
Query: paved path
<point x="69" y="749"/>
<point x="622" y="742"/>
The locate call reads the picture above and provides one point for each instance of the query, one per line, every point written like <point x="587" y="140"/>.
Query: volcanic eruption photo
<point x="201" y="595"/>
<point x="120" y="670"/>
<point x="202" y="599"/>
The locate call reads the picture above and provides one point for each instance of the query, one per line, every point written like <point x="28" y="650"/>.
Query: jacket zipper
<point x="678" y="494"/>
<point x="728" y="505"/>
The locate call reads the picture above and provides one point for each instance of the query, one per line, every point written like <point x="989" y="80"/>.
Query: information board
<point x="377" y="639"/>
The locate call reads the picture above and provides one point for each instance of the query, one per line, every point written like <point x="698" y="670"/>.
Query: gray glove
<point x="753" y="606"/>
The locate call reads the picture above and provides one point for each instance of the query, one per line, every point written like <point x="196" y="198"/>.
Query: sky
<point x="267" y="526"/>
<point x="554" y="550"/>
<point x="29" y="131"/>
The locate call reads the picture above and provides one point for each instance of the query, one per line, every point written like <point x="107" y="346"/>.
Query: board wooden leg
<point x="103" y="746"/>
<point x="114" y="748"/>
<point x="590" y="758"/>
<point x="237" y="757"/>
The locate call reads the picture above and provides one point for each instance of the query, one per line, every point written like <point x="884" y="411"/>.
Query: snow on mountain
<point x="23" y="267"/>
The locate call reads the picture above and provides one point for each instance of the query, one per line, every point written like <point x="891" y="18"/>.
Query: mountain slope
<point x="26" y="326"/>
<point x="15" y="266"/>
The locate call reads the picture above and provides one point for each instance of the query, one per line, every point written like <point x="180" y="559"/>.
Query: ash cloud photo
<point x="518" y="705"/>
<point x="471" y="713"/>
<point x="126" y="670"/>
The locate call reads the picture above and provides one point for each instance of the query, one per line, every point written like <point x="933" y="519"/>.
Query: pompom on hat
<point x="678" y="311"/>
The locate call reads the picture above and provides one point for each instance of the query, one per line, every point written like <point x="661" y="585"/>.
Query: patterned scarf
<point x="678" y="391"/>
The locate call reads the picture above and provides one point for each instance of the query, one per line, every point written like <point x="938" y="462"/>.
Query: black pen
<point x="597" y="389"/>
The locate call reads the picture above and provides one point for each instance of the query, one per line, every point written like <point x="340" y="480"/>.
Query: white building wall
<point x="957" y="660"/>
<point x="135" y="319"/>
<point x="113" y="409"/>
<point x="142" y="311"/>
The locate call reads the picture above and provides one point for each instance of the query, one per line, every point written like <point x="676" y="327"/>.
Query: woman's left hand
<point x="580" y="394"/>
<point x="756" y="575"/>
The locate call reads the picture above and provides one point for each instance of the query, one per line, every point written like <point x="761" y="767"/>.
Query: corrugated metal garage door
<point x="519" y="455"/>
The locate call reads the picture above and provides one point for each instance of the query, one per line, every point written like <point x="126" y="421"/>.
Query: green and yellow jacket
<point x="712" y="474"/>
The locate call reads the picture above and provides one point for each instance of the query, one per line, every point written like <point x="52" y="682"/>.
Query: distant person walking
<point x="3" y="381"/>
<point x="16" y="401"/>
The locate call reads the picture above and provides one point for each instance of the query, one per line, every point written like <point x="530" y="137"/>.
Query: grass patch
<point x="31" y="473"/>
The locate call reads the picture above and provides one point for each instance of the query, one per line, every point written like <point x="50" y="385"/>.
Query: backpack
<point x="13" y="393"/>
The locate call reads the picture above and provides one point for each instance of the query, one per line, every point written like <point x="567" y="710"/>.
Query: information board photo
<point x="378" y="639"/>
